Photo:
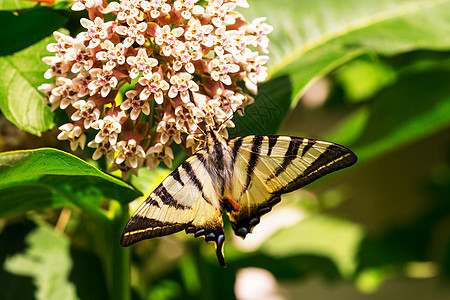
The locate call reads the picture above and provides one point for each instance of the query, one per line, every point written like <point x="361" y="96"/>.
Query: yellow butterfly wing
<point x="266" y="167"/>
<point x="185" y="200"/>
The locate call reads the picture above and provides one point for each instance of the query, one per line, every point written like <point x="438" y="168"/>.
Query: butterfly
<point x="243" y="176"/>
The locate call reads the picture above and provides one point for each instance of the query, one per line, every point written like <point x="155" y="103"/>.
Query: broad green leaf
<point x="15" y="4"/>
<point x="20" y="101"/>
<point x="312" y="38"/>
<point x="47" y="259"/>
<point x="34" y="179"/>
<point x="362" y="79"/>
<point x="387" y="26"/>
<point x="23" y="70"/>
<point x="416" y="106"/>
<point x="25" y="29"/>
<point x="326" y="236"/>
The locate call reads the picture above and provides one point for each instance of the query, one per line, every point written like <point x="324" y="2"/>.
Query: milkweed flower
<point x="183" y="60"/>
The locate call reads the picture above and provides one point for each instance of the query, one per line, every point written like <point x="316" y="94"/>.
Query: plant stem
<point x="120" y="258"/>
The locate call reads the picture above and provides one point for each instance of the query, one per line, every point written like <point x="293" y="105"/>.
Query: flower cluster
<point x="182" y="59"/>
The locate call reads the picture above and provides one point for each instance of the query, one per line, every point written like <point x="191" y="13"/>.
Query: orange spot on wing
<point x="232" y="203"/>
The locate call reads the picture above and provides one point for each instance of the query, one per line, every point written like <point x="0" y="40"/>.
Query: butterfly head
<point x="213" y="136"/>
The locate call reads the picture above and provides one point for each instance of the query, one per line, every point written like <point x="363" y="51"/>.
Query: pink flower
<point x="258" y="30"/>
<point x="187" y="7"/>
<point x="181" y="84"/>
<point x="141" y="63"/>
<point x="103" y="81"/>
<point x="167" y="39"/>
<point x="184" y="56"/>
<point x="222" y="67"/>
<point x="167" y="129"/>
<point x="156" y="7"/>
<point x="64" y="45"/>
<point x="126" y="9"/>
<point x="112" y="54"/>
<point x="137" y="106"/>
<point x="109" y="128"/>
<point x="219" y="12"/>
<point x="66" y="91"/>
<point x="159" y="153"/>
<point x="102" y="148"/>
<point x="96" y="31"/>
<point x="74" y="134"/>
<point x="153" y="85"/>
<point x="80" y="5"/>
<point x="58" y="67"/>
<point x="199" y="33"/>
<point x="134" y="32"/>
<point x="86" y="110"/>
<point x="82" y="57"/>
<point x="130" y="153"/>
<point x="51" y="99"/>
<point x="182" y="63"/>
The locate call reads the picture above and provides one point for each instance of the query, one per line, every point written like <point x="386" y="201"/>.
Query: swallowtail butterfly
<point x="243" y="176"/>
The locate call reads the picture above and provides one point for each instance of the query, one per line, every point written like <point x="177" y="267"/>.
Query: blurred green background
<point x="371" y="75"/>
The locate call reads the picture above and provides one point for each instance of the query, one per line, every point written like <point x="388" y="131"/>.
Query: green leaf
<point x="416" y="106"/>
<point x="47" y="259"/>
<point x="25" y="29"/>
<point x="34" y="179"/>
<point x="388" y="26"/>
<point x="362" y="79"/>
<point x="312" y="38"/>
<point x="15" y="4"/>
<point x="20" y="100"/>
<point x="25" y="37"/>
<point x="325" y="236"/>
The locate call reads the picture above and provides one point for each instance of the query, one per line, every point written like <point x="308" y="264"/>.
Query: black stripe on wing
<point x="237" y="145"/>
<point x="191" y="174"/>
<point x="272" y="142"/>
<point x="334" y="158"/>
<point x="176" y="175"/>
<point x="168" y="199"/>
<point x="254" y="156"/>
<point x="140" y="228"/>
<point x="289" y="156"/>
<point x="308" y="146"/>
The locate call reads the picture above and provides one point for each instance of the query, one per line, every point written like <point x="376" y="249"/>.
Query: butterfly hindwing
<point x="267" y="166"/>
<point x="185" y="200"/>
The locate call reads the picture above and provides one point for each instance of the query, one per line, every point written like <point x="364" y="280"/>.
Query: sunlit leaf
<point x="416" y="106"/>
<point x="326" y="236"/>
<point x="26" y="28"/>
<point x="362" y="79"/>
<point x="312" y="38"/>
<point x="15" y="4"/>
<point x="20" y="100"/>
<point x="34" y="179"/>
<point x="47" y="259"/>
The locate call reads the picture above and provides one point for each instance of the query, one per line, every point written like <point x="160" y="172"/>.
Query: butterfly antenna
<point x="240" y="110"/>
<point x="201" y="130"/>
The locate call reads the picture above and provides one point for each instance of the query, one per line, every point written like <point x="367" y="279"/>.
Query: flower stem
<point x="120" y="258"/>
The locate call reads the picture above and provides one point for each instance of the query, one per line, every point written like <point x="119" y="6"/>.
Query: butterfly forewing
<point x="267" y="166"/>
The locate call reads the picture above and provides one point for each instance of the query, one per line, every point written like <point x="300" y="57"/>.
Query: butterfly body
<point x="243" y="176"/>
